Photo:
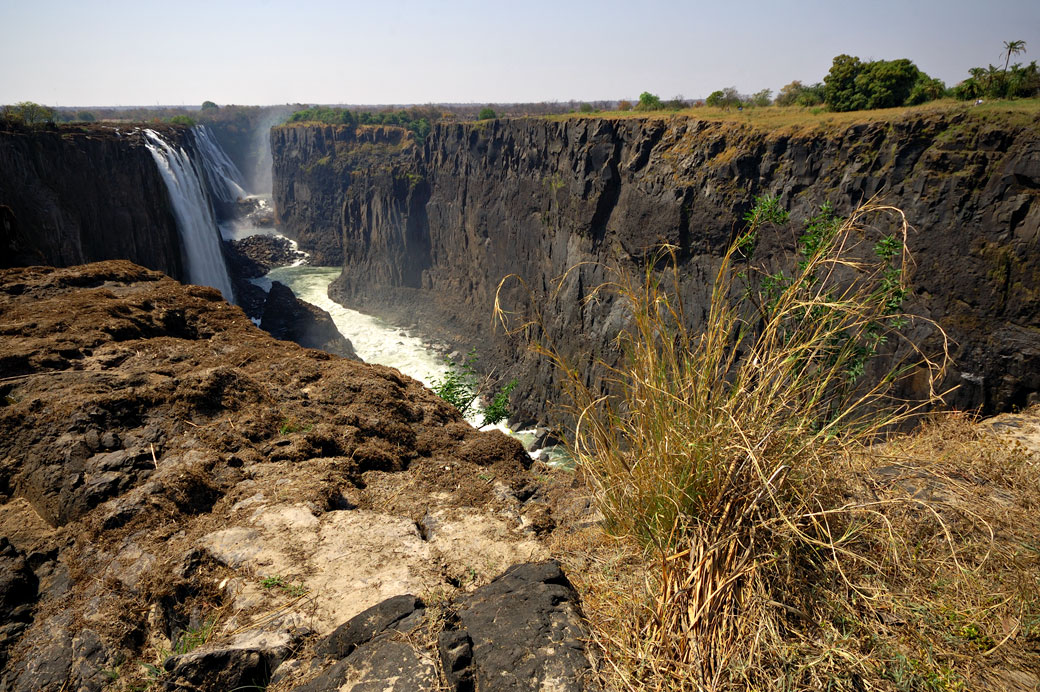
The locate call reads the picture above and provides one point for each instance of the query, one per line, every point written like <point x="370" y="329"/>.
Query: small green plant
<point x="487" y="113"/>
<point x="277" y="582"/>
<point x="461" y="387"/>
<point x="498" y="409"/>
<point x="194" y="637"/>
<point x="913" y="675"/>
<point x="290" y="425"/>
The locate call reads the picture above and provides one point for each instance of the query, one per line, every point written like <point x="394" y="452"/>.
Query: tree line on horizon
<point x="853" y="84"/>
<point x="850" y="84"/>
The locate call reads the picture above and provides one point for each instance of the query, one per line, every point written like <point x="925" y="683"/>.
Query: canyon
<point x="188" y="502"/>
<point x="428" y="230"/>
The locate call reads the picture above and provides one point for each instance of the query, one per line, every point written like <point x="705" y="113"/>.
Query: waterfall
<point x="200" y="237"/>
<point x="225" y="180"/>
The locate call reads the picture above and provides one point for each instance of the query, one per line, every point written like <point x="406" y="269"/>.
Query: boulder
<point x="523" y="631"/>
<point x="288" y="318"/>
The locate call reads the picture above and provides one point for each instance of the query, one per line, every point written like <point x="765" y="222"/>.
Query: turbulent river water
<point x="378" y="342"/>
<point x="374" y="340"/>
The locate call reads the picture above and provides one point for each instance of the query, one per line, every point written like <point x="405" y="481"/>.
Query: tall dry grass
<point x="715" y="449"/>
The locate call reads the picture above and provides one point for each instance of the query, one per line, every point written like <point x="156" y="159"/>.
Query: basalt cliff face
<point x="427" y="230"/>
<point x="83" y="194"/>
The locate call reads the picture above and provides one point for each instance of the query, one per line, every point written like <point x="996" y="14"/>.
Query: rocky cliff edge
<point x="188" y="503"/>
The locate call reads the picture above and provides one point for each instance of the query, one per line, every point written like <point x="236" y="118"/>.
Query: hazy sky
<point x="84" y="52"/>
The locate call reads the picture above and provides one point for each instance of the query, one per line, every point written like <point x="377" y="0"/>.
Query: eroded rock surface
<point x="189" y="503"/>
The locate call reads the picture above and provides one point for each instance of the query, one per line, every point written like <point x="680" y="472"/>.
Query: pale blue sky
<point x="82" y="52"/>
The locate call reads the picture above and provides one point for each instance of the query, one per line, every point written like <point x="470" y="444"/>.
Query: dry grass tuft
<point x="756" y="539"/>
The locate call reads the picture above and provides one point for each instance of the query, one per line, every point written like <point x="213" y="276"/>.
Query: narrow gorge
<point x="426" y="230"/>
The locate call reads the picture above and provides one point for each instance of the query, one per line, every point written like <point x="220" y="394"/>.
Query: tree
<point x="85" y="117"/>
<point x="585" y="108"/>
<point x="1012" y="48"/>
<point x="486" y="113"/>
<point x="926" y="89"/>
<point x="887" y="83"/>
<point x="840" y="92"/>
<point x="725" y="98"/>
<point x="624" y="105"/>
<point x="649" y="102"/>
<point x="855" y="85"/>
<point x="209" y="106"/>
<point x="789" y="94"/>
<point x="762" y="98"/>
<point x="29" y="113"/>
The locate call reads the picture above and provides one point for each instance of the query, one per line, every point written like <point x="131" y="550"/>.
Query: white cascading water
<point x="225" y="180"/>
<point x="195" y="221"/>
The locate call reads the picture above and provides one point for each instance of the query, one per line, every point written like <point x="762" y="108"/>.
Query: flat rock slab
<point x="351" y="560"/>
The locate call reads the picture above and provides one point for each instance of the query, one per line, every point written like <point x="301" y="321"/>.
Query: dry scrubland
<point x="796" y="119"/>
<point x="943" y="592"/>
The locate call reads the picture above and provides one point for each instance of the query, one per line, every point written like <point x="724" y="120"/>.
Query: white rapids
<point x="374" y="340"/>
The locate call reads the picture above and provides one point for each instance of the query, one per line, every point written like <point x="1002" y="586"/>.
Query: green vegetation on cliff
<point x="27" y="113"/>
<point x="416" y="120"/>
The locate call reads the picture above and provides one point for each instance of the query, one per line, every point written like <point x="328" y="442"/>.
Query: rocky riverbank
<point x="188" y="503"/>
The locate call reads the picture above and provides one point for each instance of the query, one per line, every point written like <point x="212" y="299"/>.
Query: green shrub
<point x="462" y="387"/>
<point x="649" y="102"/>
<point x="486" y="113"/>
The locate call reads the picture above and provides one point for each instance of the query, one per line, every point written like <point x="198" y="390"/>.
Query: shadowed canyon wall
<point x="84" y="194"/>
<point x="427" y="230"/>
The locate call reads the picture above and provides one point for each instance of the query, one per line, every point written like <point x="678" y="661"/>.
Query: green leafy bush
<point x="649" y="102"/>
<point x="855" y="85"/>
<point x="486" y="113"/>
<point x="462" y="387"/>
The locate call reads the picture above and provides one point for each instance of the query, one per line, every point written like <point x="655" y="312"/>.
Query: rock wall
<point x="428" y="230"/>
<point x="83" y="194"/>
